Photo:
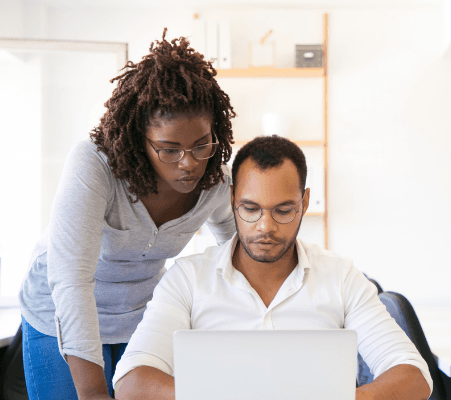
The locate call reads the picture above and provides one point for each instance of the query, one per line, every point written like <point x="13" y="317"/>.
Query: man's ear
<point x="306" y="201"/>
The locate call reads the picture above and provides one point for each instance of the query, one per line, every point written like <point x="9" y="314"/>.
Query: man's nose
<point x="266" y="222"/>
<point x="188" y="162"/>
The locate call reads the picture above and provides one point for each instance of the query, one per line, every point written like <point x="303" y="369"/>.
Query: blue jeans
<point x="47" y="375"/>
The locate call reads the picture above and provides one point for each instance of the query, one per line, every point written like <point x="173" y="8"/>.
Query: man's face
<point x="267" y="240"/>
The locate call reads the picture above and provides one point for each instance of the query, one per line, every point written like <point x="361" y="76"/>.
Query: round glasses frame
<point x="242" y="207"/>
<point x="183" y="151"/>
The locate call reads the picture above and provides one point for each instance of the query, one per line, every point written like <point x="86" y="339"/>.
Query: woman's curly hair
<point x="172" y="80"/>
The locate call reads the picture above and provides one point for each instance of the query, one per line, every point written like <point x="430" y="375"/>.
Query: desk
<point x="10" y="321"/>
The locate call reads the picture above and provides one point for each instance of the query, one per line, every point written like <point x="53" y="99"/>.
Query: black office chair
<point x="403" y="313"/>
<point x="12" y="374"/>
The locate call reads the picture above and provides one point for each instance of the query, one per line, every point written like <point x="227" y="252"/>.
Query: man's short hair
<point x="270" y="152"/>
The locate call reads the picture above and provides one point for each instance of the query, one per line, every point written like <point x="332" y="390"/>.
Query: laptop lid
<point x="265" y="365"/>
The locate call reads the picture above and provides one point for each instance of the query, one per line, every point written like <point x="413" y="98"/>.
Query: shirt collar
<point x="225" y="268"/>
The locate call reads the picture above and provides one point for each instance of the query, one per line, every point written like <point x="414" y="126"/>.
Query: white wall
<point x="20" y="160"/>
<point x="11" y="18"/>
<point x="137" y="27"/>
<point x="389" y="102"/>
<point x="48" y="102"/>
<point x="75" y="87"/>
<point x="447" y="27"/>
<point x="389" y="148"/>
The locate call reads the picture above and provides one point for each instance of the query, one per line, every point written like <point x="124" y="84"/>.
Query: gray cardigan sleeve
<point x="221" y="221"/>
<point x="75" y="234"/>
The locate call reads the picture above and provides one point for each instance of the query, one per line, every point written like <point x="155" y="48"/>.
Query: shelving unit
<point x="268" y="72"/>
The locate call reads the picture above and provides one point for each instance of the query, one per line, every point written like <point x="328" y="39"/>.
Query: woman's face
<point x="183" y="132"/>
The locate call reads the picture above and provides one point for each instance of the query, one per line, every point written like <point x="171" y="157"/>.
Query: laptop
<point x="265" y="365"/>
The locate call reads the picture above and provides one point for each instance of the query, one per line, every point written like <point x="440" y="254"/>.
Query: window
<point x="52" y="96"/>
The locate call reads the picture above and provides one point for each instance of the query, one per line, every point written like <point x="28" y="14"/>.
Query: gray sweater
<point x="97" y="263"/>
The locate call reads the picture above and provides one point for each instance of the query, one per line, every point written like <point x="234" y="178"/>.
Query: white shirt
<point x="324" y="291"/>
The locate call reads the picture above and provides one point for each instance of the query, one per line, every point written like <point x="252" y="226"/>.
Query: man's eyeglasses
<point x="281" y="214"/>
<point x="172" y="155"/>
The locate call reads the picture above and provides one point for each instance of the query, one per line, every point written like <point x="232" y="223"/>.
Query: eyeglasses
<point x="280" y="214"/>
<point x="172" y="155"/>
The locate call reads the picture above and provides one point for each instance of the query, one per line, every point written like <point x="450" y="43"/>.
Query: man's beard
<point x="266" y="258"/>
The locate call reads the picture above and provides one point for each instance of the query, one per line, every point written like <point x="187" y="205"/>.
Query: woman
<point x="128" y="199"/>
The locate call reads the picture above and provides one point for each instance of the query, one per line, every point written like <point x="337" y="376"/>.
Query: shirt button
<point x="149" y="245"/>
<point x="155" y="232"/>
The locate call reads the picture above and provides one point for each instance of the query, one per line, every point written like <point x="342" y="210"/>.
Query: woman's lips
<point x="188" y="178"/>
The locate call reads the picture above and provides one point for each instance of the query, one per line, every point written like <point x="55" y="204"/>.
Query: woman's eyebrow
<point x="203" y="137"/>
<point x="177" y="143"/>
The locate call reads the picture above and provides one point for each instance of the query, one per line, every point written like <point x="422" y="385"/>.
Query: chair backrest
<point x="379" y="288"/>
<point x="403" y="313"/>
<point x="12" y="376"/>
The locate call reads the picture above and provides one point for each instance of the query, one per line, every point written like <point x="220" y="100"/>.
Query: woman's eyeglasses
<point x="172" y="155"/>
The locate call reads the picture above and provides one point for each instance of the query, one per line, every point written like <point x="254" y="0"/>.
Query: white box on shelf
<point x="212" y="42"/>
<point x="225" y="45"/>
<point x="315" y="181"/>
<point x="198" y="40"/>
<point x="262" y="55"/>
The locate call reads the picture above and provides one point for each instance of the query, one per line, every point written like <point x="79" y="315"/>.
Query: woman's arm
<point x="145" y="383"/>
<point x="75" y="234"/>
<point x="89" y="379"/>
<point x="221" y="221"/>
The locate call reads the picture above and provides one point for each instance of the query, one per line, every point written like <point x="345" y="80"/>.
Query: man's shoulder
<point x="200" y="260"/>
<point x="319" y="256"/>
<point x="204" y="265"/>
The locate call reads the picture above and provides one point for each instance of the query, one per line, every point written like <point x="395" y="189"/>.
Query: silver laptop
<point x="265" y="365"/>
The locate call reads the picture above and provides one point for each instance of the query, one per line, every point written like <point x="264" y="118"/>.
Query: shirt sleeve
<point x="75" y="234"/>
<point x="221" y="221"/>
<point x="152" y="342"/>
<point x="381" y="342"/>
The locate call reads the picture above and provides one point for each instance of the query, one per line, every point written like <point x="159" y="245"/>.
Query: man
<point x="266" y="278"/>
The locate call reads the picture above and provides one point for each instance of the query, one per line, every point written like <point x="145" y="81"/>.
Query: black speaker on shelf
<point x="309" y="56"/>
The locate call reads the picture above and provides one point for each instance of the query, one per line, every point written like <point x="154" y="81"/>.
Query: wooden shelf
<point x="269" y="72"/>
<point x="318" y="143"/>
<point x="314" y="214"/>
